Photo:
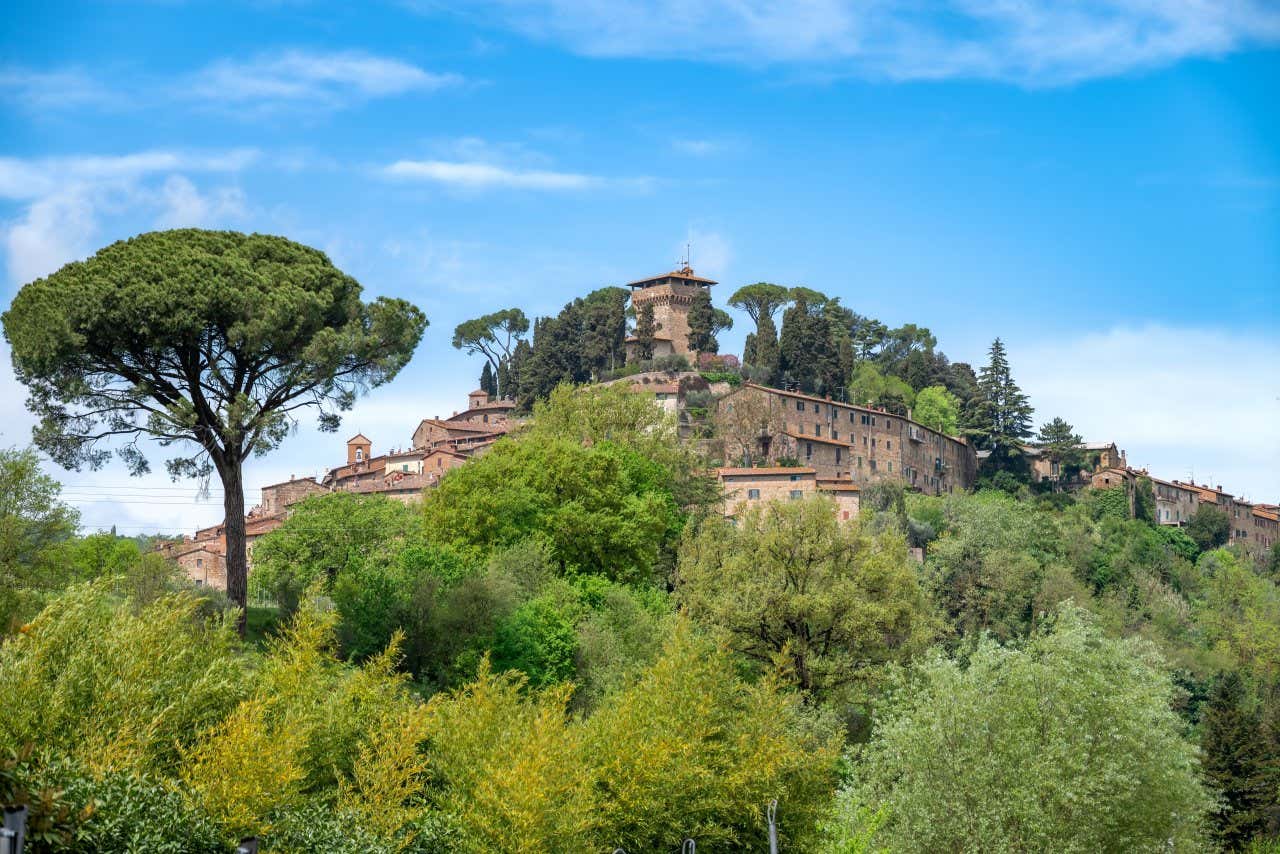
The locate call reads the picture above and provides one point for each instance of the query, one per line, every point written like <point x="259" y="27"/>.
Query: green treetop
<point x="938" y="409"/>
<point x="208" y="342"/>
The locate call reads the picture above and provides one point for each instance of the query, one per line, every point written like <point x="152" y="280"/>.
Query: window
<point x="815" y="407"/>
<point x="891" y="467"/>
<point x="796" y="494"/>
<point x="873" y="464"/>
<point x="835" y="434"/>
<point x="795" y="478"/>
<point x="404" y="467"/>
<point x="817" y="429"/>
<point x="753" y="495"/>
<point x="199" y="582"/>
<point x="359" y="454"/>
<point x="199" y="562"/>
<point x="888" y="444"/>
<point x="808" y="450"/>
<point x="859" y="462"/>
<point x="873" y="444"/>
<point x="837" y="456"/>
<point x="888" y="423"/>
<point x="851" y="417"/>
<point x="799" y="406"/>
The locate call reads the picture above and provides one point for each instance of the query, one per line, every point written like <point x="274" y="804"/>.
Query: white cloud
<point x="1032" y="42"/>
<point x="182" y="204"/>
<point x="52" y="89"/>
<point x="22" y="178"/>
<point x="1180" y="401"/>
<point x="66" y="197"/>
<point x="477" y="175"/>
<point x="474" y="164"/>
<point x="296" y="77"/>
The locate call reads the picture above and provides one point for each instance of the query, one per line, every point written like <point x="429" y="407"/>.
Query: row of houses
<point x="1254" y="526"/>
<point x="842" y="442"/>
<point x="437" y="445"/>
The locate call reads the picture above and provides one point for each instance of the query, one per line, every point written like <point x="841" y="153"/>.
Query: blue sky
<point x="1097" y="182"/>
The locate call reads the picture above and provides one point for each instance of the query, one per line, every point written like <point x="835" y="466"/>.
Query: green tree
<point x="325" y="536"/>
<point x="869" y="387"/>
<point x="792" y="588"/>
<point x="493" y="335"/>
<point x="1001" y="417"/>
<point x="210" y="341"/>
<point x="761" y="302"/>
<point x="604" y="329"/>
<point x="488" y="381"/>
<point x="603" y="509"/>
<point x="646" y="329"/>
<point x="33" y="524"/>
<point x="1210" y="527"/>
<point x="807" y="352"/>
<point x="705" y="323"/>
<point x="1061" y="444"/>
<point x="937" y="409"/>
<point x="1240" y="762"/>
<point x="1064" y="743"/>
<point x="765" y="355"/>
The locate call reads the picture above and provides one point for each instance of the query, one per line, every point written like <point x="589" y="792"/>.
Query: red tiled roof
<point x="823" y="439"/>
<point x="763" y="470"/>
<point x="685" y="274"/>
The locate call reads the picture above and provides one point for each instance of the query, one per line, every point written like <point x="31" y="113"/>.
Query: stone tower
<point x="670" y="294"/>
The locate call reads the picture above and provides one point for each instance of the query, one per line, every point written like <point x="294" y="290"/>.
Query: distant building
<point x="743" y="488"/>
<point x="855" y="444"/>
<point x="670" y="295"/>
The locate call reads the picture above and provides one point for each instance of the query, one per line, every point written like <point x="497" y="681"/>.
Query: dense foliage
<point x="566" y="646"/>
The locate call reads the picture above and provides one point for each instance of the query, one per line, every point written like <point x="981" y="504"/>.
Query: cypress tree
<point x="702" y="323"/>
<point x="488" y="382"/>
<point x="766" y="349"/>
<point x="646" y="328"/>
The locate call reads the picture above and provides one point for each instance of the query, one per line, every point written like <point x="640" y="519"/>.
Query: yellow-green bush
<point x="688" y="750"/>
<point x="314" y="727"/>
<point x="116" y="687"/>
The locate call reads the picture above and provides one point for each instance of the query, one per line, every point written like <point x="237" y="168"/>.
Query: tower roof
<point x="685" y="274"/>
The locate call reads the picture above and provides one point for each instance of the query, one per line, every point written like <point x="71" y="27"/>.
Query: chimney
<point x="1219" y="487"/>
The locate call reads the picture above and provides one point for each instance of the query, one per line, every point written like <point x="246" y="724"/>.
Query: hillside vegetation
<point x="566" y="647"/>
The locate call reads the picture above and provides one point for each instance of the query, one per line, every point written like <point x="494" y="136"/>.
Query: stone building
<point x="845" y="442"/>
<point x="1176" y="502"/>
<point x="744" y="487"/>
<point x="277" y="496"/>
<point x="670" y="295"/>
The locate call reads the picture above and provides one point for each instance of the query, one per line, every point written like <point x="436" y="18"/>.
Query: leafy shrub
<point x="1064" y="743"/>
<point x="115" y="687"/>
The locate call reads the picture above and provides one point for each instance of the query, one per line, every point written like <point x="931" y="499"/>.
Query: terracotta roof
<point x="312" y="481"/>
<point x="837" y="486"/>
<point x="360" y="436"/>
<point x="656" y="388"/>
<point x="264" y="525"/>
<point x="450" y="425"/>
<point x="685" y="274"/>
<point x="823" y="439"/>
<point x="763" y="470"/>
<point x="1266" y="514"/>
<point x="429" y="454"/>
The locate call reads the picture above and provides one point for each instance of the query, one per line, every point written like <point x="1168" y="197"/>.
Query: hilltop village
<point x="772" y="443"/>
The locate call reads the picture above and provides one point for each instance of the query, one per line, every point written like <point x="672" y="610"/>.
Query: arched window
<point x="359" y="454"/>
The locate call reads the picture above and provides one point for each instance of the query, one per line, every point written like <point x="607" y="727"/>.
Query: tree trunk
<point x="233" y="530"/>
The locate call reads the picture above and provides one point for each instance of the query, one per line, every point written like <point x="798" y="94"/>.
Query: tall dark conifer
<point x="1002" y="418"/>
<point x="646" y="329"/>
<point x="488" y="382"/>
<point x="702" y="322"/>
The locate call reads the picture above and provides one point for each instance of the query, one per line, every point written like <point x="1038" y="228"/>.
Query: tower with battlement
<point x="671" y="295"/>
